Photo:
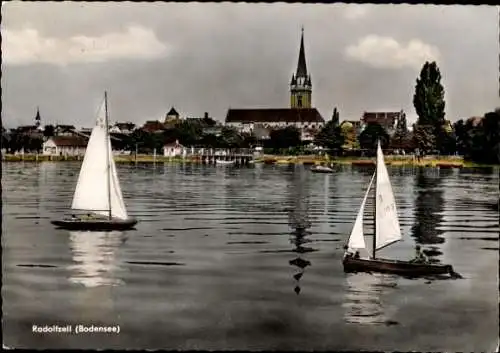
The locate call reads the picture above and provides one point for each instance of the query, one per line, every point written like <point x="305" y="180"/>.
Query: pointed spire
<point x="294" y="81"/>
<point x="301" y="66"/>
<point x="38" y="119"/>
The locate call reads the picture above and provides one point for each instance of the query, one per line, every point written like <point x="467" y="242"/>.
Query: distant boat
<point x="98" y="197"/>
<point x="224" y="162"/>
<point x="387" y="232"/>
<point x="321" y="169"/>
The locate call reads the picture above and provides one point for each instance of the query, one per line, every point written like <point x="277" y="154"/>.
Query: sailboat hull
<point x="403" y="268"/>
<point x="95" y="224"/>
<point x="321" y="169"/>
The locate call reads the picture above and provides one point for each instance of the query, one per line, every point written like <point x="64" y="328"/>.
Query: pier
<point x="240" y="156"/>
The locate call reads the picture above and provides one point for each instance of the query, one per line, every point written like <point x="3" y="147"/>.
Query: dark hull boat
<point x="98" y="193"/>
<point x="403" y="268"/>
<point x="95" y="224"/>
<point x="387" y="231"/>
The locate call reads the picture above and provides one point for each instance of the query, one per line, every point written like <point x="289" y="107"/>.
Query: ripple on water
<point x="215" y="253"/>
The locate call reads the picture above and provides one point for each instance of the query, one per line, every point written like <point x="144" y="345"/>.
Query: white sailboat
<point x="98" y="193"/>
<point x="387" y="232"/>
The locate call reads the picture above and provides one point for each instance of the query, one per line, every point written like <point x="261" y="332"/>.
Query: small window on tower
<point x="299" y="101"/>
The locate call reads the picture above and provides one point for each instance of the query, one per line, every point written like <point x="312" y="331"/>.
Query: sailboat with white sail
<point x="387" y="231"/>
<point x="98" y="196"/>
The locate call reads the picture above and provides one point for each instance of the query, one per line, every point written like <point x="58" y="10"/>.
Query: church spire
<point x="300" y="85"/>
<point x="301" y="66"/>
<point x="37" y="117"/>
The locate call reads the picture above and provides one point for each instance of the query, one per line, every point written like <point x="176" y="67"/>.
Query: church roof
<point x="69" y="141"/>
<point x="172" y="111"/>
<point x="274" y="115"/>
<point x="301" y="66"/>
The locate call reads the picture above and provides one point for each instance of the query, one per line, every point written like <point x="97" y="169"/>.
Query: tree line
<point x="475" y="139"/>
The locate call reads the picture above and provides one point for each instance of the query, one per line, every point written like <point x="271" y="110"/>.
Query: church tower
<point x="300" y="86"/>
<point x="38" y="119"/>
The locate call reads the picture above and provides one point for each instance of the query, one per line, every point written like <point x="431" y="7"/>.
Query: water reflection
<point x="429" y="207"/>
<point x="298" y="220"/>
<point x="363" y="298"/>
<point x="94" y="256"/>
<point x="326" y="194"/>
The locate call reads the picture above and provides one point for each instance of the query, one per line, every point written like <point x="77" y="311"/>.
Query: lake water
<point x="215" y="264"/>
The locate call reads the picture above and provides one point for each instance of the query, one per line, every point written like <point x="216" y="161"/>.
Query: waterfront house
<point x="65" y="146"/>
<point x="174" y="149"/>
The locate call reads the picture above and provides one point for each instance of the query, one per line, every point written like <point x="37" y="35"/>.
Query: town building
<point x="388" y="120"/>
<point x="174" y="149"/>
<point x="64" y="130"/>
<point x="153" y="126"/>
<point x="122" y="128"/>
<point x="301" y="114"/>
<point x="172" y="115"/>
<point x="65" y="146"/>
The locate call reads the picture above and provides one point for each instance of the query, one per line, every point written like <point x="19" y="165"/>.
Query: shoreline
<point x="449" y="162"/>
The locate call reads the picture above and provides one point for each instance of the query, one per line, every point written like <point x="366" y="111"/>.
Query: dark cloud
<point x="243" y="55"/>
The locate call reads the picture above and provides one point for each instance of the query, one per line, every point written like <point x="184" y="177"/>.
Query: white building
<point x="65" y="146"/>
<point x="174" y="149"/>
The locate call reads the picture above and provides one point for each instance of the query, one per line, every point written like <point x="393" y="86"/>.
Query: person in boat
<point x="356" y="255"/>
<point x="419" y="256"/>
<point x="347" y="253"/>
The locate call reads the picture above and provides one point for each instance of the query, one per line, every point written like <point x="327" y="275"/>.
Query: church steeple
<point x="300" y="86"/>
<point x="301" y="66"/>
<point x="38" y="119"/>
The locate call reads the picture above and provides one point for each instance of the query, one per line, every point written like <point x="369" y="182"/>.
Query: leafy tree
<point x="230" y="137"/>
<point x="207" y="121"/>
<point x="330" y="136"/>
<point x="349" y="137"/>
<point x="401" y="135"/>
<point x="491" y="130"/>
<point x="371" y="134"/>
<point x="428" y="99"/>
<point x="48" y="131"/>
<point x="335" y="117"/>
<point x="189" y="132"/>
<point x="461" y="136"/>
<point x="424" y="138"/>
<point x="211" y="141"/>
<point x="429" y="104"/>
<point x="285" y="138"/>
<point x="248" y="140"/>
<point x="445" y="140"/>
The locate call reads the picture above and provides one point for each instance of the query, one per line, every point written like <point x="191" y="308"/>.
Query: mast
<point x="108" y="142"/>
<point x="375" y="205"/>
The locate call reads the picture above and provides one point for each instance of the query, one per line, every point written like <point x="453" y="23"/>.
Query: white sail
<point x="98" y="183"/>
<point x="387" y="229"/>
<point x="357" y="238"/>
<point x="118" y="209"/>
<point x="91" y="192"/>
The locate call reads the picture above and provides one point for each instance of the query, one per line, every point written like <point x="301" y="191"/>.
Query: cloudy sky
<point x="209" y="57"/>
